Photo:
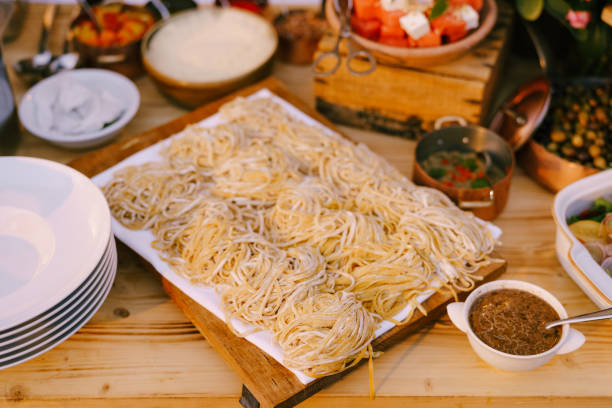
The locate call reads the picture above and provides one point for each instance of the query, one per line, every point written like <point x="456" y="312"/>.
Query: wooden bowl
<point x="124" y="59"/>
<point x="420" y="57"/>
<point x="193" y="94"/>
<point x="486" y="203"/>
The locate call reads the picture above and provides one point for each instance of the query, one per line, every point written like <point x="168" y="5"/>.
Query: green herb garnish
<point x="436" y="172"/>
<point x="480" y="183"/>
<point x="471" y="164"/>
<point x="603" y="204"/>
<point x="438" y="9"/>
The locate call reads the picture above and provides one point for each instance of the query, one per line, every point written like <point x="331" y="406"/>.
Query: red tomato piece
<point x="476" y="4"/>
<point x="448" y="183"/>
<point x="107" y="38"/>
<point x="392" y="31"/>
<point x="366" y="9"/>
<point x="111" y="21"/>
<point x="450" y="26"/>
<point x="366" y="28"/>
<point x="433" y="39"/>
<point x="246" y="5"/>
<point x="394" y="41"/>
<point x="390" y="18"/>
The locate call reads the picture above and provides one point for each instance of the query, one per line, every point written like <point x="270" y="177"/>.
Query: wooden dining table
<point x="139" y="350"/>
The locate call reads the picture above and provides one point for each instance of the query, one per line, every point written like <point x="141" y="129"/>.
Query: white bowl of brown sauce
<point x="505" y="323"/>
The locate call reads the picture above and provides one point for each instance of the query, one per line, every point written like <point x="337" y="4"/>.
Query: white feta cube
<point x="390" y="5"/>
<point x="415" y="24"/>
<point x="469" y="15"/>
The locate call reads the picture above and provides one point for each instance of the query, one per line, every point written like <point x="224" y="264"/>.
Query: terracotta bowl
<point x="193" y="94"/>
<point x="419" y="57"/>
<point x="124" y="59"/>
<point x="486" y="203"/>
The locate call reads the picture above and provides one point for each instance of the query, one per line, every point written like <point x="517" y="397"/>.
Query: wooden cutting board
<point x="266" y="382"/>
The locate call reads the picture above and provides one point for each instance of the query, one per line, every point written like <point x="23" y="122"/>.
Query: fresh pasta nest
<point x="300" y="231"/>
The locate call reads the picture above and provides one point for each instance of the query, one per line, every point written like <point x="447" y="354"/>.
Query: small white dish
<point x="54" y="229"/>
<point x="120" y="87"/>
<point x="573" y="256"/>
<point x="571" y="339"/>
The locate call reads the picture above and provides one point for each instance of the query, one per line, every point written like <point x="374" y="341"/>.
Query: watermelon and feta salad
<point x="415" y="23"/>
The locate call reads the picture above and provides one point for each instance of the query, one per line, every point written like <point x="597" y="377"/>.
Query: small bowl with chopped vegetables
<point x="417" y="33"/>
<point x="583" y="214"/>
<point x="117" y="46"/>
<point x="470" y="164"/>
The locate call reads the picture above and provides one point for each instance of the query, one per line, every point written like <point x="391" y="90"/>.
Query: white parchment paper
<point x="140" y="241"/>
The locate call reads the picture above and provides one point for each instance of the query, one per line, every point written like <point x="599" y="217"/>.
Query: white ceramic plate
<point x="54" y="229"/>
<point x="574" y="257"/>
<point x="57" y="315"/>
<point x="66" y="329"/>
<point x="52" y="330"/>
<point x="63" y="305"/>
<point x="116" y="84"/>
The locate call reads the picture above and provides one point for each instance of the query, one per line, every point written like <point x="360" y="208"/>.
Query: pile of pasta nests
<point x="300" y="231"/>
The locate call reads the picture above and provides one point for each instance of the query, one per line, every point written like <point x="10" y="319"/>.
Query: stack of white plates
<point x="57" y="255"/>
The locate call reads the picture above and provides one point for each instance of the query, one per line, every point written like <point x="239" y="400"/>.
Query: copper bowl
<point x="193" y="94"/>
<point x="420" y="57"/>
<point x="487" y="202"/>
<point x="124" y="59"/>
<point x="550" y="170"/>
<point x="547" y="168"/>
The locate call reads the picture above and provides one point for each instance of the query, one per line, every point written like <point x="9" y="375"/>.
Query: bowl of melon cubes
<point x="417" y="33"/>
<point x="117" y="45"/>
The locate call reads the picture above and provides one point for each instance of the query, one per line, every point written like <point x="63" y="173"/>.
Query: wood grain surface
<point x="140" y="350"/>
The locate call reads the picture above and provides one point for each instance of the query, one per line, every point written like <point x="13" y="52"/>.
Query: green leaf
<point x="480" y="183"/>
<point x="530" y="9"/>
<point x="604" y="204"/>
<point x="438" y="9"/>
<point x="558" y="8"/>
<point x="436" y="172"/>
<point x="471" y="164"/>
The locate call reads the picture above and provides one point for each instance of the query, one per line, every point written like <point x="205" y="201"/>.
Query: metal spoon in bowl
<point x="87" y="9"/>
<point x="600" y="315"/>
<point x="67" y="61"/>
<point x="38" y="63"/>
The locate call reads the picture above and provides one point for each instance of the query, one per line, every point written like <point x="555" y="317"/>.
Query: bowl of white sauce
<point x="79" y="109"/>
<point x="199" y="55"/>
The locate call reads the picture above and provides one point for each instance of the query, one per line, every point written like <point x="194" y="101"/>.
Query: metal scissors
<point x="344" y="15"/>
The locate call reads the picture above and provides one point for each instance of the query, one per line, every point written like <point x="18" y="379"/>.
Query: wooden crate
<point x="405" y="101"/>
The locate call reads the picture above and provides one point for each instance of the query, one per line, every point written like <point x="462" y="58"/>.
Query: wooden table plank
<point x="154" y="357"/>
